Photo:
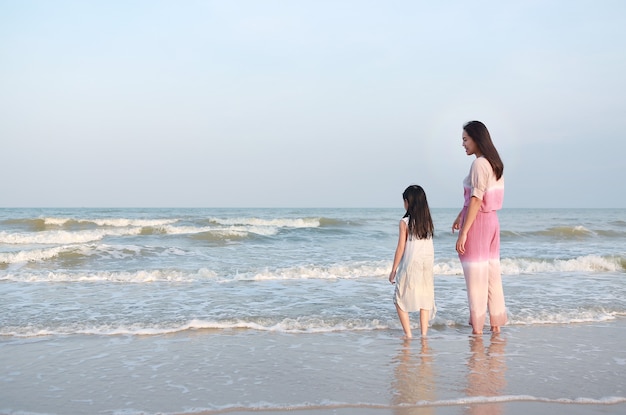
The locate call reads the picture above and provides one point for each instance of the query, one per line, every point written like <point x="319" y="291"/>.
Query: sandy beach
<point x="562" y="369"/>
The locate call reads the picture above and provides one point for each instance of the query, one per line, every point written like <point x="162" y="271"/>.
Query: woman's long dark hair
<point x="481" y="137"/>
<point x="420" y="223"/>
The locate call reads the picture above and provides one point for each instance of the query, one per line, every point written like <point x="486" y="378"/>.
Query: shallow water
<point x="151" y="271"/>
<point x="180" y="310"/>
<point x="217" y="371"/>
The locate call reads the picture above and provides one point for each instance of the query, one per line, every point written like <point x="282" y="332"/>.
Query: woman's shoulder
<point x="481" y="161"/>
<point x="481" y="164"/>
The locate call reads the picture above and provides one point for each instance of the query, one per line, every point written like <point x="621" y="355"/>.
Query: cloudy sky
<point x="308" y="103"/>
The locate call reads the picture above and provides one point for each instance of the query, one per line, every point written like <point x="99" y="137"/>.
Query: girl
<point x="478" y="244"/>
<point x="412" y="270"/>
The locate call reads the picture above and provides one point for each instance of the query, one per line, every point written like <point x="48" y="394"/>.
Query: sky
<point x="308" y="103"/>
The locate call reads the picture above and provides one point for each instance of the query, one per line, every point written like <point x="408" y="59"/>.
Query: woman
<point x="478" y="244"/>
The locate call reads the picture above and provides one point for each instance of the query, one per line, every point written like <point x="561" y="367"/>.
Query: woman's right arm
<point x="472" y="212"/>
<point x="456" y="225"/>
<point x="479" y="176"/>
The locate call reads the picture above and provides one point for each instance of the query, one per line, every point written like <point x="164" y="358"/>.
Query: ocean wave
<point x="292" y="325"/>
<point x="216" y="233"/>
<point x="109" y="222"/>
<point x="529" y="266"/>
<point x="537" y="317"/>
<point x="587" y="263"/>
<point x="86" y="236"/>
<point x="68" y="222"/>
<point x="348" y="270"/>
<point x="224" y="230"/>
<point x="34" y="255"/>
<point x="39" y="224"/>
<point x="136" y="277"/>
<point x="35" y="224"/>
<point x="577" y="232"/>
<point x="338" y="271"/>
<point x="337" y="222"/>
<point x="124" y="227"/>
<point x="566" y="231"/>
<point x="287" y="325"/>
<point x="77" y="252"/>
<point x="270" y="223"/>
<point x="63" y="237"/>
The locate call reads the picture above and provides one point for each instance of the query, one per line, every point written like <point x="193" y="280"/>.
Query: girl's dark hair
<point x="481" y="137"/>
<point x="420" y="223"/>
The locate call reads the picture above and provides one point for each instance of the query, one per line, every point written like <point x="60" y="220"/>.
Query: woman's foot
<point x="495" y="329"/>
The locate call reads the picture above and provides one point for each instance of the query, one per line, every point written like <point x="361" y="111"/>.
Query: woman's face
<point x="470" y="145"/>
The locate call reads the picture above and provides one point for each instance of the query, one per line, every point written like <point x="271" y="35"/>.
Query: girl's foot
<point x="495" y="329"/>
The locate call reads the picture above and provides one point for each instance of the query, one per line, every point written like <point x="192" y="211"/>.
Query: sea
<point x="117" y="289"/>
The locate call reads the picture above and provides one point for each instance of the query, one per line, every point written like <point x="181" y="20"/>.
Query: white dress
<point x="415" y="283"/>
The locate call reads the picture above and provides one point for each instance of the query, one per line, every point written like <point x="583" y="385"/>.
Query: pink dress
<point x="481" y="261"/>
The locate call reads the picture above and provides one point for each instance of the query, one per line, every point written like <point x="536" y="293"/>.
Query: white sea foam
<point x="224" y="232"/>
<point x="136" y="228"/>
<point x="350" y="270"/>
<point x="301" y="324"/>
<point x="63" y="237"/>
<point x="609" y="400"/>
<point x="136" y="277"/>
<point x="119" y="252"/>
<point x="346" y="271"/>
<point x="521" y="266"/>
<point x="327" y="405"/>
<point x="573" y="316"/>
<point x="275" y="223"/>
<point x="112" y="222"/>
<point x="30" y="255"/>
<point x="339" y="271"/>
<point x="587" y="263"/>
<point x="288" y="325"/>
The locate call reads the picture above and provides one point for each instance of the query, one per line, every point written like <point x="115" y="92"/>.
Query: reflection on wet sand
<point x="414" y="383"/>
<point x="486" y="375"/>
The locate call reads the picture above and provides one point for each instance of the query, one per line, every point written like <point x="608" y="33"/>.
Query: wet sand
<point x="556" y="369"/>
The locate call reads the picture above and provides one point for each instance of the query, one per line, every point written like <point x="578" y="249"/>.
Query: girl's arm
<point x="399" y="251"/>
<point x="472" y="212"/>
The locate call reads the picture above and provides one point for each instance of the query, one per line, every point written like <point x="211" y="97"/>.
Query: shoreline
<point x="518" y="407"/>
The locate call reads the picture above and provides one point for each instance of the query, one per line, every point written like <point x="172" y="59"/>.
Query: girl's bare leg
<point x="404" y="320"/>
<point x="424" y="314"/>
